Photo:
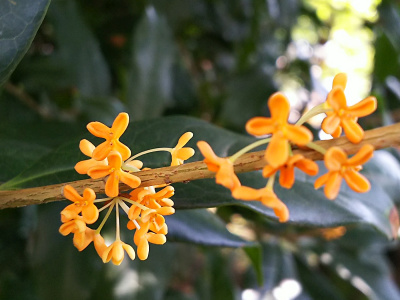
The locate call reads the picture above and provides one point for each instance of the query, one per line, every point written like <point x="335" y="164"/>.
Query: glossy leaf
<point x="201" y="227"/>
<point x="19" y="22"/>
<point x="149" y="81"/>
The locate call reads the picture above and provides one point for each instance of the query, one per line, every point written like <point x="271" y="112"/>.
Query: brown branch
<point x="383" y="137"/>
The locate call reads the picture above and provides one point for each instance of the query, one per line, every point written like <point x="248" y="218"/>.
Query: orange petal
<point x="115" y="160"/>
<point x="83" y="166"/>
<point x="281" y="211"/>
<point x="129" y="250"/>
<point x="356" y="181"/>
<point x="337" y="132"/>
<point x="332" y="186"/>
<point x="353" y="131"/>
<point x="119" y="125"/>
<point x="364" y="107"/>
<point x="89" y="195"/>
<point x="71" y="194"/>
<point x="185" y="153"/>
<point x="99" y="244"/>
<point x="98" y="171"/>
<point x="166" y="211"/>
<point x="279" y="107"/>
<point x="307" y="166"/>
<point x="143" y="249"/>
<point x="321" y="181"/>
<point x="286" y="177"/>
<point x="337" y="99"/>
<point x="299" y="135"/>
<point x="129" y="179"/>
<point x="207" y="152"/>
<point x="335" y="158"/>
<point x="340" y="80"/>
<point x="98" y="129"/>
<point x="246" y="193"/>
<point x="226" y="175"/>
<point x="122" y="149"/>
<point x="86" y="147"/>
<point x="184" y="139"/>
<point x="330" y="124"/>
<point x="158" y="239"/>
<point x="260" y="126"/>
<point x="269" y="170"/>
<point x="90" y="213"/>
<point x="362" y="156"/>
<point x="277" y="151"/>
<point x="112" y="185"/>
<point x="102" y="151"/>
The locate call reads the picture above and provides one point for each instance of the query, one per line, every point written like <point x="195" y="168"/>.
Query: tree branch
<point x="383" y="137"/>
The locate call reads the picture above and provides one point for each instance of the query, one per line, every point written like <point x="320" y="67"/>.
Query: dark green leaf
<point x="149" y="81"/>
<point x="19" y="22"/>
<point x="201" y="227"/>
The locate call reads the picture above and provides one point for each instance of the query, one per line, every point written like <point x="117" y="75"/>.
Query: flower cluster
<point x="282" y="136"/>
<point x="145" y="207"/>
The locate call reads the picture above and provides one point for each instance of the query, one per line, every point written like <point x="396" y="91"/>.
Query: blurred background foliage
<point x="218" y="61"/>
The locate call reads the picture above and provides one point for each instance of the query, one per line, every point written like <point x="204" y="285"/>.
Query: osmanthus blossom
<point x="115" y="174"/>
<point x="223" y="167"/>
<point x="179" y="153"/>
<point x="282" y="132"/>
<point x="287" y="172"/>
<point x="341" y="167"/>
<point x="81" y="204"/>
<point x="345" y="117"/>
<point x="143" y="237"/>
<point x="112" y="136"/>
<point x="116" y="252"/>
<point x="266" y="196"/>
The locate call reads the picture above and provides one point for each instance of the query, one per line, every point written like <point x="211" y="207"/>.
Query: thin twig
<point x="383" y="137"/>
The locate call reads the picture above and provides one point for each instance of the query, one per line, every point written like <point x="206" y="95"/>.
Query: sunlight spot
<point x="287" y="290"/>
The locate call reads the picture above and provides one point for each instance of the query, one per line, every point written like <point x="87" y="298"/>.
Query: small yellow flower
<point x="115" y="173"/>
<point x="344" y="116"/>
<point x="179" y="153"/>
<point x="339" y="167"/>
<point x="115" y="252"/>
<point x="84" y="205"/>
<point x="142" y="238"/>
<point x="112" y="136"/>
<point x="282" y="132"/>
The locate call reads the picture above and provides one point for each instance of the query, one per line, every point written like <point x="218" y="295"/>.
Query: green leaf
<point x="149" y="80"/>
<point x="19" y="22"/>
<point x="201" y="227"/>
<point x="255" y="256"/>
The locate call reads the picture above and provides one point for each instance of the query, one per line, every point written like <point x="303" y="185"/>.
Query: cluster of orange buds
<point x="281" y="136"/>
<point x="144" y="206"/>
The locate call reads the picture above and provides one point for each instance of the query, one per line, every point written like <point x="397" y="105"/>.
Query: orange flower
<point x="266" y="196"/>
<point x="339" y="167"/>
<point x="115" y="252"/>
<point x="112" y="136"/>
<point x="222" y="166"/>
<point x="286" y="176"/>
<point x="142" y="238"/>
<point x="82" y="239"/>
<point x="344" y="116"/>
<point x="278" y="150"/>
<point x="179" y="154"/>
<point x="83" y="204"/>
<point x="83" y="166"/>
<point x="115" y="174"/>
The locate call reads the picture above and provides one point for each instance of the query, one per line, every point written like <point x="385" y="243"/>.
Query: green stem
<point x="316" y="147"/>
<point x="102" y="200"/>
<point x="148" y="151"/>
<point x="248" y="148"/>
<point x="117" y="231"/>
<point x="271" y="181"/>
<point x="316" y="110"/>
<point x="105" y="217"/>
